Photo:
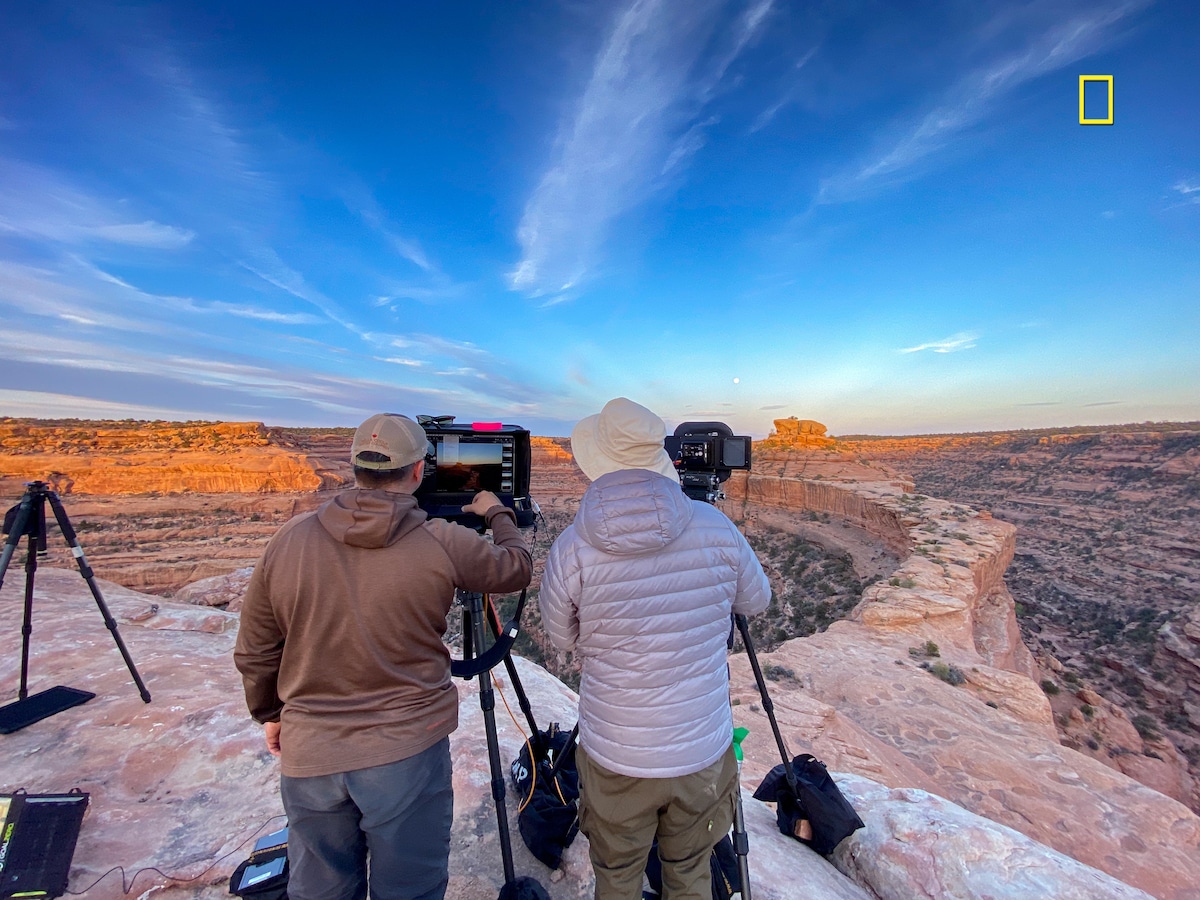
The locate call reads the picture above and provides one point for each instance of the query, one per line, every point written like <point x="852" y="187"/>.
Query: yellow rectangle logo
<point x="1083" y="80"/>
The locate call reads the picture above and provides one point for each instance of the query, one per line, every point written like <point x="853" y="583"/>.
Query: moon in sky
<point x="737" y="381"/>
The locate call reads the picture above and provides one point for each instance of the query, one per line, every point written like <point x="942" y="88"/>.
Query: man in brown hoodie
<point x="341" y="654"/>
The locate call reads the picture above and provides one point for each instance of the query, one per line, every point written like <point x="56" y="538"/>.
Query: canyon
<point x="894" y="650"/>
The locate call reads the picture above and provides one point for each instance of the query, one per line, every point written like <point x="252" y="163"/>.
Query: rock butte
<point x="966" y="789"/>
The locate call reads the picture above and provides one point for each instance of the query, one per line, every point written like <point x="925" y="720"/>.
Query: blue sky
<point x="884" y="216"/>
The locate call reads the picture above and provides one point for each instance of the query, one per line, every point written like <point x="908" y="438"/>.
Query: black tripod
<point x="28" y="519"/>
<point x="477" y="663"/>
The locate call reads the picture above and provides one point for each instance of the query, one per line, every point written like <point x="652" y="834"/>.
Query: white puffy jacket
<point x="641" y="587"/>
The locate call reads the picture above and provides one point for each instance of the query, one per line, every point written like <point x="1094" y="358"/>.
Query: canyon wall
<point x="162" y="457"/>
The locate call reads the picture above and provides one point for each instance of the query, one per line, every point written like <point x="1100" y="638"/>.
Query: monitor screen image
<point x="469" y="467"/>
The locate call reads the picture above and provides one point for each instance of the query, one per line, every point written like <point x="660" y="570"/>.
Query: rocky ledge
<point x="179" y="788"/>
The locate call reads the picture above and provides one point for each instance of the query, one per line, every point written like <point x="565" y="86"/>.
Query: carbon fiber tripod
<point x="28" y="519"/>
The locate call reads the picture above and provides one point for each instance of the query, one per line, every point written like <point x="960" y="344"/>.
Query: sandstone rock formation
<point x="168" y="457"/>
<point x="184" y="784"/>
<point x="799" y="434"/>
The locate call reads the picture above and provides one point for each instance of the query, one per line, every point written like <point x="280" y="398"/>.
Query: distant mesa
<point x="792" y="433"/>
<point x="132" y="457"/>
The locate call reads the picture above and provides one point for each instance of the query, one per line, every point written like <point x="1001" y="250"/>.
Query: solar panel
<point x="37" y="842"/>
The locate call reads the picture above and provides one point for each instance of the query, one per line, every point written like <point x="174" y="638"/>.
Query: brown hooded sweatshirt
<point x="342" y="624"/>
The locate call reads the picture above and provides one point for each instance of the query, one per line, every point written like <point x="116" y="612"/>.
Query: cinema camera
<point x="705" y="454"/>
<point x="465" y="459"/>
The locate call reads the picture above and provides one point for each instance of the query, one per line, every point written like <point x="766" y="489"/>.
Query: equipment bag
<point x="549" y="790"/>
<point x="723" y="865"/>
<point x="816" y="802"/>
<point x="264" y="876"/>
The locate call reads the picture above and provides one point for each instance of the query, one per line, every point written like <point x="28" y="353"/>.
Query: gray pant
<point x="398" y="815"/>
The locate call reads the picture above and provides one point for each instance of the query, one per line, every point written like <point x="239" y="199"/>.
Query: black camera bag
<point x="816" y="799"/>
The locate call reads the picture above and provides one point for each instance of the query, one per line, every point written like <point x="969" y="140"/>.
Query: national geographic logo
<point x="1095" y="95"/>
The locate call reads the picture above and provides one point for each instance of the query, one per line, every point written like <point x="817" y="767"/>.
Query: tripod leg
<point x="27" y="622"/>
<point x="487" y="702"/>
<point x="741" y="840"/>
<point x="743" y="626"/>
<point x="14" y="536"/>
<point x="85" y="570"/>
<point x="28" y="514"/>
<point x="535" y="742"/>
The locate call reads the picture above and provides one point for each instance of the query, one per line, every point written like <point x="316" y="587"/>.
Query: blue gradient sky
<point x="883" y="216"/>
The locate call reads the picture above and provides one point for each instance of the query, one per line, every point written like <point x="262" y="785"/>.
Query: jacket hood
<point x="370" y="518"/>
<point x="632" y="511"/>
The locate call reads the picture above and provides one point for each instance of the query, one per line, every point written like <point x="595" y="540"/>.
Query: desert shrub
<point x="949" y="674"/>
<point x="778" y="673"/>
<point x="1146" y="726"/>
<point x="1088" y="710"/>
<point x="1050" y="687"/>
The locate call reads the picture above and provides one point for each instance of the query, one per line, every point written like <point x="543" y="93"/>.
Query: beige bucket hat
<point x="623" y="435"/>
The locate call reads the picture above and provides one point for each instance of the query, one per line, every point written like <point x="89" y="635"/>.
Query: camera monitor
<point x="467" y="459"/>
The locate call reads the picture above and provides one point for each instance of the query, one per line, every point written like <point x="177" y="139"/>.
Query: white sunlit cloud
<point x="639" y="119"/>
<point x="963" y="340"/>
<point x="1189" y="190"/>
<point x="1045" y="49"/>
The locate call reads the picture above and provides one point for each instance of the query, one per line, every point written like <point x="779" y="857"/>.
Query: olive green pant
<point x="621" y="817"/>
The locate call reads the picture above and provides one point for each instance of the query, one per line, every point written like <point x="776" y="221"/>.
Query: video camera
<point x="705" y="454"/>
<point x="466" y="459"/>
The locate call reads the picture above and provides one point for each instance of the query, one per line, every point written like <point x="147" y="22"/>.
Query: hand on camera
<point x="481" y="503"/>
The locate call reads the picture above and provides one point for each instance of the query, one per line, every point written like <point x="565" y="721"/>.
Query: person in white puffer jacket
<point x="641" y="587"/>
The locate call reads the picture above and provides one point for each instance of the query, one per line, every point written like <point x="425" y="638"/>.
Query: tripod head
<point x="34" y="526"/>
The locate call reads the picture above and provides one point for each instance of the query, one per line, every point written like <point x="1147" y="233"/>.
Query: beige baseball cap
<point x="391" y="435"/>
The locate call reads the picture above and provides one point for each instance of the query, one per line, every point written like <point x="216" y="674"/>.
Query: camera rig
<point x="705" y="455"/>
<point x="465" y="459"/>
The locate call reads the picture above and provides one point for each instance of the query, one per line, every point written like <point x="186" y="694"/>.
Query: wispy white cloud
<point x="261" y="315"/>
<point x="1189" y="190"/>
<point x="963" y="340"/>
<point x="464" y="351"/>
<point x="639" y="119"/>
<point x="43" y="404"/>
<point x="37" y="203"/>
<point x="266" y="264"/>
<point x="974" y="96"/>
<point x="764" y="118"/>
<point x="144" y="234"/>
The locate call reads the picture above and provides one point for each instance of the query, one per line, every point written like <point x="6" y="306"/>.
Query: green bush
<point x="949" y="674"/>
<point x="1146" y="726"/>
<point x="1050" y="687"/>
